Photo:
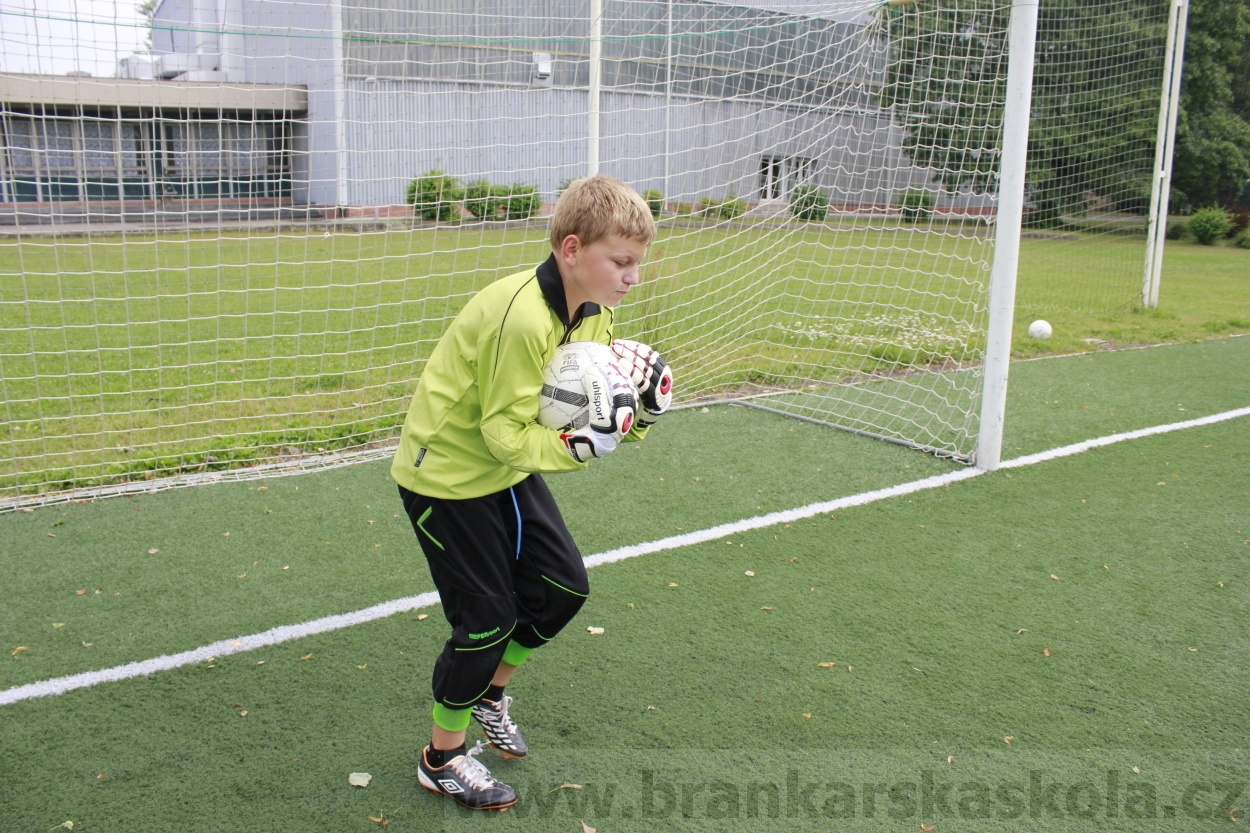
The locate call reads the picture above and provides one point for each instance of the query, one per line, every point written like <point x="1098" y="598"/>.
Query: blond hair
<point x="597" y="207"/>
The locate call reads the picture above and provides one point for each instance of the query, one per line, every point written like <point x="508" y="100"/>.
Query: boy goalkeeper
<point x="507" y="570"/>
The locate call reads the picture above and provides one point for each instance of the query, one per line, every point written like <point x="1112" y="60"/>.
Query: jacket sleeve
<point x="509" y="380"/>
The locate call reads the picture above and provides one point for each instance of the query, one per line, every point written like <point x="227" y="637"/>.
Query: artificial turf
<point x="696" y="707"/>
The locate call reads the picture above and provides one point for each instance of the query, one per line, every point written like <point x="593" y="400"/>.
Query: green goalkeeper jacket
<point x="471" y="428"/>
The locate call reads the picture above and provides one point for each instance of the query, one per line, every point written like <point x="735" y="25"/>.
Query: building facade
<point x="341" y="104"/>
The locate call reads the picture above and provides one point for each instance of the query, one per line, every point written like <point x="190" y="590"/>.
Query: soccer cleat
<point x="467" y="781"/>
<point x="499" y="729"/>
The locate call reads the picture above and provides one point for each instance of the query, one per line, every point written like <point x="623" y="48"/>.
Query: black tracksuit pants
<point x="506" y="568"/>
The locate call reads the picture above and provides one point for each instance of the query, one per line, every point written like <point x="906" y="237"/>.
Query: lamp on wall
<point x="543" y="64"/>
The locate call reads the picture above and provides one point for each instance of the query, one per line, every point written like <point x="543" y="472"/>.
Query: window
<point x="779" y="175"/>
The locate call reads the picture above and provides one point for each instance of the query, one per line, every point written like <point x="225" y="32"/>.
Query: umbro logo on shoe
<point x="450" y="786"/>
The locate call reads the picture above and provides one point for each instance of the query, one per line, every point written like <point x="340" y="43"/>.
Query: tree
<point x="147" y="11"/>
<point x="1096" y="89"/>
<point x="1211" y="165"/>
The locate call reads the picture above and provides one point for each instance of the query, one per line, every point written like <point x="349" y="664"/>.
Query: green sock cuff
<point x="516" y="654"/>
<point x="451" y="720"/>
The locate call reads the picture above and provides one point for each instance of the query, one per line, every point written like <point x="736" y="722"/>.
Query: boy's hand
<point x="613" y="405"/>
<point x="586" y="443"/>
<point x="650" y="374"/>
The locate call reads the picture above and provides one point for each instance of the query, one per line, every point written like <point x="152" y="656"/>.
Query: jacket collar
<point x="553" y="290"/>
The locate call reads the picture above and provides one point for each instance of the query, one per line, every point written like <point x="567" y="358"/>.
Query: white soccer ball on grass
<point x="1040" y="329"/>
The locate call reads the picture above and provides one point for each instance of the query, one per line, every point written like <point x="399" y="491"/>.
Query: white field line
<point x="286" y="633"/>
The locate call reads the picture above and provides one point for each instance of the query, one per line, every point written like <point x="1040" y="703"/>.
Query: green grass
<point x="942" y="601"/>
<point x="140" y="357"/>
<point x="1204" y="292"/>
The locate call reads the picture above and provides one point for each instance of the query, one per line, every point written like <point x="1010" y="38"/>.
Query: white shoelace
<point x="504" y="719"/>
<point x="472" y="771"/>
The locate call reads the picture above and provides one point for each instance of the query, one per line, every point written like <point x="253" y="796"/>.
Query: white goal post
<point x="230" y="254"/>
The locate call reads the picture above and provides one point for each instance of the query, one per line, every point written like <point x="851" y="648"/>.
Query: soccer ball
<point x="563" y="404"/>
<point x="1040" y="330"/>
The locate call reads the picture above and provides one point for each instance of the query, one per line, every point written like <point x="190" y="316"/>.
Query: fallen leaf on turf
<point x="80" y="592"/>
<point x="1007" y="740"/>
<point x="565" y="787"/>
<point x="1055" y="577"/>
<point x="652" y="709"/>
<point x="153" y="551"/>
<point x="422" y="617"/>
<point x="1194" y="650"/>
<point x="382" y="820"/>
<point x="359" y="779"/>
<point x="1046" y="651"/>
<point x="750" y="573"/>
<point x="363" y="667"/>
<point x="261" y="662"/>
<point x="87" y="644"/>
<point x="306" y="656"/>
<point x="1137" y="770"/>
<point x="792" y="560"/>
<point x="925" y="828"/>
<point x="595" y="631"/>
<point x="58" y="624"/>
<point x="767" y="608"/>
<point x="587" y="828"/>
<point x="950" y="759"/>
<point x="18" y="650"/>
<point x="670" y="584"/>
<point x="241" y="575"/>
<point x="850" y="668"/>
<point x="243" y="713"/>
<point x="65" y="825"/>
<point x="827" y="664"/>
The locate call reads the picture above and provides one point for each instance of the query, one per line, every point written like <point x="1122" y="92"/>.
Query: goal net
<point x="231" y="252"/>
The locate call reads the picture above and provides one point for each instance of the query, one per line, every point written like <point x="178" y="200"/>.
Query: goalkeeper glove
<point x="650" y="374"/>
<point x="612" y="407"/>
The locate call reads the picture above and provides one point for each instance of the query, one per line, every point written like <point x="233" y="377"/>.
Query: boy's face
<point x="602" y="272"/>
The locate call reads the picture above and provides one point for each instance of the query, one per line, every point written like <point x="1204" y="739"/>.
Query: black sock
<point x="438" y="757"/>
<point x="494" y="694"/>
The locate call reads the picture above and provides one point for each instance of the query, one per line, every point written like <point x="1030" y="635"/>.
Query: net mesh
<point x="236" y="257"/>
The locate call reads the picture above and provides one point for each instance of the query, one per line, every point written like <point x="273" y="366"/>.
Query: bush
<point x="684" y="208"/>
<point x="435" y="196"/>
<point x="1209" y="225"/>
<point x="1240" y="218"/>
<point x="1177" y="231"/>
<point x="727" y="207"/>
<point x="1243" y="239"/>
<point x="655" y="201"/>
<point x="477" y="198"/>
<point x="517" y="201"/>
<point x="916" y="204"/>
<point x="807" y="202"/>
